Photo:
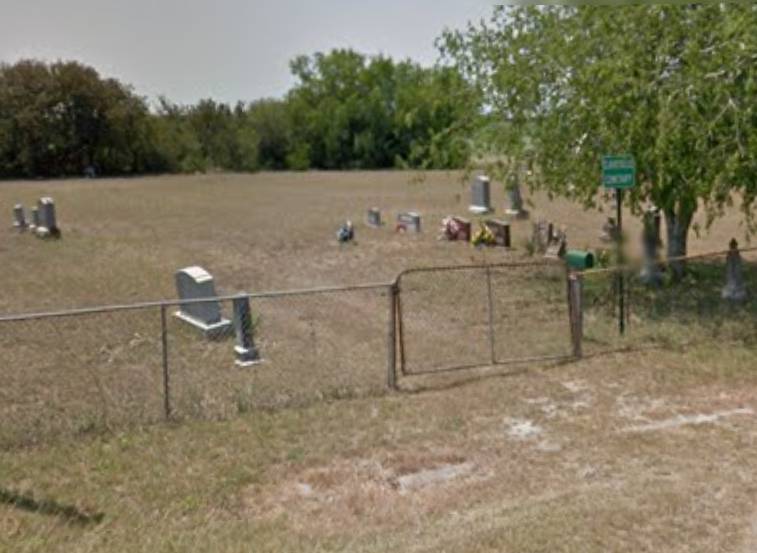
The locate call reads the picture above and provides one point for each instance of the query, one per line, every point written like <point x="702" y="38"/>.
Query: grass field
<point x="653" y="449"/>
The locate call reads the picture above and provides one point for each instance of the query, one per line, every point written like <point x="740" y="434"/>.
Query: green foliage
<point x="59" y="119"/>
<point x="346" y="111"/>
<point x="674" y="85"/>
<point x="358" y="112"/>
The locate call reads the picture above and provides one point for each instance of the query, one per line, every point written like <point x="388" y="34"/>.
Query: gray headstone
<point x="651" y="273"/>
<point x="19" y="217"/>
<point x="48" y="222"/>
<point x="515" y="199"/>
<point x="735" y="289"/>
<point x="410" y="221"/>
<point x="541" y="235"/>
<point x="246" y="352"/>
<point x="558" y="243"/>
<point x="501" y="232"/>
<point x="481" y="195"/>
<point x="374" y="217"/>
<point x="194" y="283"/>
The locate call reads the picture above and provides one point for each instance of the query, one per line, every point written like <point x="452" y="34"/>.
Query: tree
<point x="59" y="118"/>
<point x="674" y="85"/>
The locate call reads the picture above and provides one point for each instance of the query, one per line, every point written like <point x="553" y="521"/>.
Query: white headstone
<point x="195" y="283"/>
<point x="19" y="217"/>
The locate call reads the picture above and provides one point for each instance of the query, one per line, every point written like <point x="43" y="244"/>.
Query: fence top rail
<point x="503" y="265"/>
<point x="630" y="266"/>
<point x="177" y="302"/>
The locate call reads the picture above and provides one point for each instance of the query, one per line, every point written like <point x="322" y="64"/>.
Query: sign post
<point x="619" y="173"/>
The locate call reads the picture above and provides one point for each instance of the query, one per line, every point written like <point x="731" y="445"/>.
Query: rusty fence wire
<point x="665" y="312"/>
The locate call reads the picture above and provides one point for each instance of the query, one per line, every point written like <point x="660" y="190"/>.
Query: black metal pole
<point x="621" y="262"/>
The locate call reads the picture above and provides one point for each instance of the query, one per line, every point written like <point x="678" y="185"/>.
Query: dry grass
<point x="554" y="459"/>
<point x="324" y="478"/>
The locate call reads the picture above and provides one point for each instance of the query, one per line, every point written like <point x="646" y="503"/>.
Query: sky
<point x="227" y="50"/>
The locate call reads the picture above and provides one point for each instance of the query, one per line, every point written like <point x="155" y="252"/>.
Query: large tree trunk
<point x="677" y="223"/>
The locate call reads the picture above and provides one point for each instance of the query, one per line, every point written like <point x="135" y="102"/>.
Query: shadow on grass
<point x="49" y="507"/>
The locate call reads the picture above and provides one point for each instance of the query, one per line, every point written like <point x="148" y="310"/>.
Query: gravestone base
<point x="247" y="357"/>
<point x="44" y="232"/>
<point x="480" y="210"/>
<point x="215" y="331"/>
<point x="518" y="214"/>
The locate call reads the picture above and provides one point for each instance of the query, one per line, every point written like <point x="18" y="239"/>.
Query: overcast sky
<point x="224" y="49"/>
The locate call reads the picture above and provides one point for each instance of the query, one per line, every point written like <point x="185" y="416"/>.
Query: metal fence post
<point x="575" y="310"/>
<point x="391" y="359"/>
<point x="166" y="383"/>
<point x="490" y="299"/>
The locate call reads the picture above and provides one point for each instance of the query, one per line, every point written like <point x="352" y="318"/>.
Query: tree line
<point x="345" y="111"/>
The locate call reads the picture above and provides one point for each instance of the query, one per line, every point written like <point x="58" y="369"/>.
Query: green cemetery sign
<point x="618" y="172"/>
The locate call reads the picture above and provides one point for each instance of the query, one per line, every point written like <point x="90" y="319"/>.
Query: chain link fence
<point x="661" y="311"/>
<point x="87" y="371"/>
<point x="465" y="317"/>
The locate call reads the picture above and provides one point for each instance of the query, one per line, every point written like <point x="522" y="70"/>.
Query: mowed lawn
<point x="650" y="450"/>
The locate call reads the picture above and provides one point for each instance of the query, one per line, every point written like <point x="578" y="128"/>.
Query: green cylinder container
<point x="579" y="260"/>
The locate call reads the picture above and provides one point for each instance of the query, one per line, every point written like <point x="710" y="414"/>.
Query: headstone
<point x="346" y="233"/>
<point x="481" y="196"/>
<point x="558" y="244"/>
<point x="501" y="232"/>
<point x="19" y="218"/>
<point x="540" y="236"/>
<point x="48" y="222"/>
<point x="409" y="222"/>
<point x="651" y="274"/>
<point x="245" y="350"/>
<point x="195" y="283"/>
<point x="455" y="228"/>
<point x="735" y="289"/>
<point x="374" y="217"/>
<point x="515" y="199"/>
<point x="35" y="218"/>
<point x="609" y="231"/>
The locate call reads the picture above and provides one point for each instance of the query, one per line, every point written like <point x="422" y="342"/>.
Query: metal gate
<point x="452" y="318"/>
